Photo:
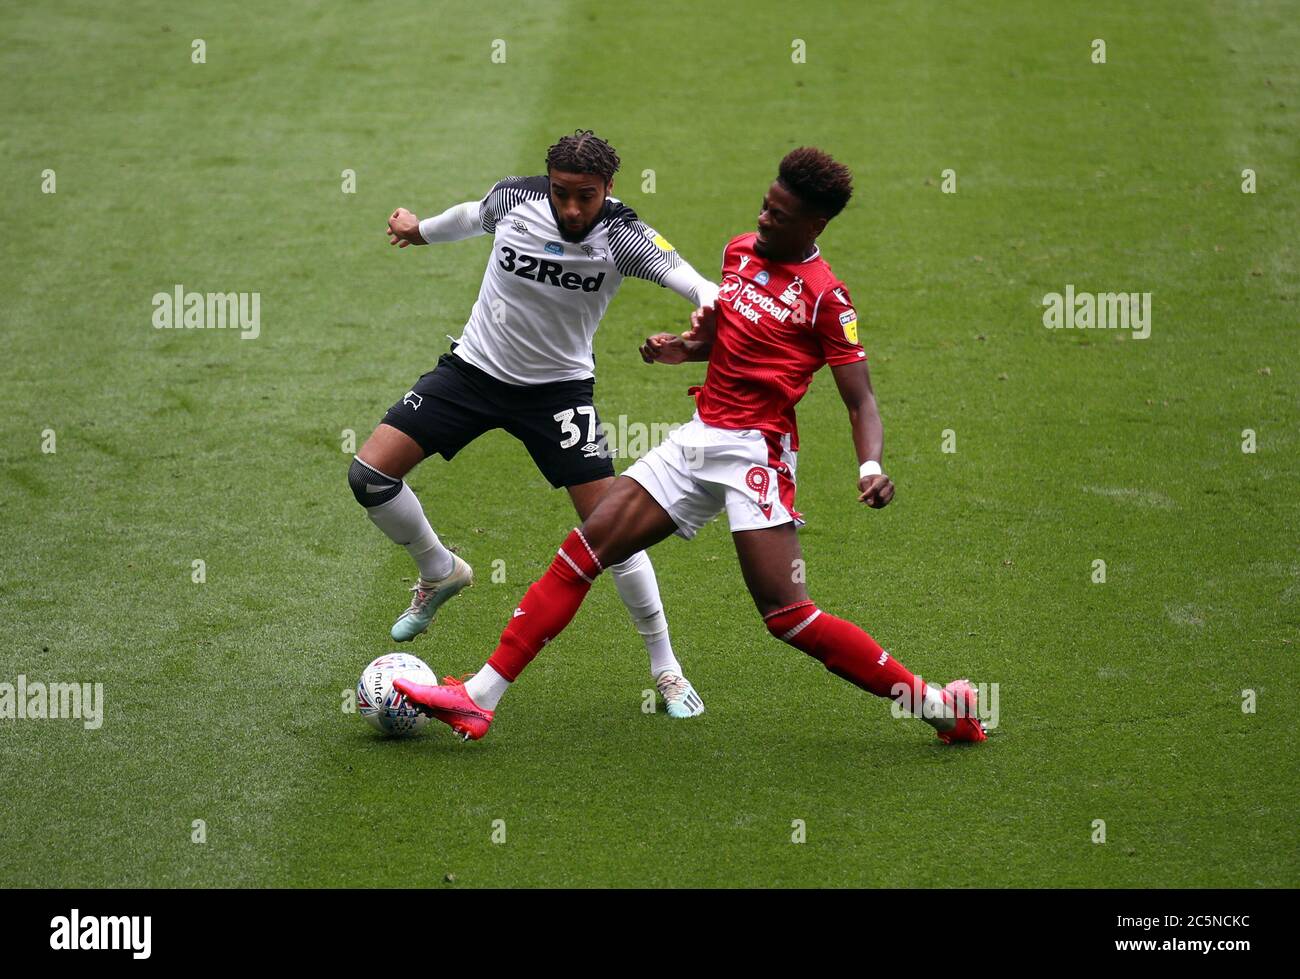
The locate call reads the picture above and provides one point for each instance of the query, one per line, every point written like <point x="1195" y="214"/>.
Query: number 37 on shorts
<point x="573" y="421"/>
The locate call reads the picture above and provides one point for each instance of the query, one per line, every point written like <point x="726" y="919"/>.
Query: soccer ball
<point x="385" y="708"/>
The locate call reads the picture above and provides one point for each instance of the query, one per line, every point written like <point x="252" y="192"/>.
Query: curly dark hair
<point x="822" y="184"/>
<point x="583" y="152"/>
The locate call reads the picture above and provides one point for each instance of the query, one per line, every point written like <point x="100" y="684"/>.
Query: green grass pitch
<point x="1119" y="701"/>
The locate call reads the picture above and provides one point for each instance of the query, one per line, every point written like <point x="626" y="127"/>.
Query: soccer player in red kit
<point x="780" y="314"/>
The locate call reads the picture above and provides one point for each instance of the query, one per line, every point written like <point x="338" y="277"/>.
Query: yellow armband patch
<point x="849" y="323"/>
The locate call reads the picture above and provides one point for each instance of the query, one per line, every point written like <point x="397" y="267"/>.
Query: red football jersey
<point x="778" y="322"/>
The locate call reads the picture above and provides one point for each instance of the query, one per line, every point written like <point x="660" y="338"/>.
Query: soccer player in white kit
<point x="561" y="248"/>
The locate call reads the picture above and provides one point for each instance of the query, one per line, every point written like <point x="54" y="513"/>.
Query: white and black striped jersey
<point x="542" y="297"/>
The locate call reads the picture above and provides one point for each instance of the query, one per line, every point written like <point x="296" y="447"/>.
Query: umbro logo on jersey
<point x="519" y="226"/>
<point x="414" y="400"/>
<point x="552" y="273"/>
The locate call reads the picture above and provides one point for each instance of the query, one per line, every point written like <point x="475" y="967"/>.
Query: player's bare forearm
<point x="667" y="348"/>
<point x="868" y="430"/>
<point x="697" y="351"/>
<point x="693" y="345"/>
<point x="704" y="330"/>
<point x="854" y="383"/>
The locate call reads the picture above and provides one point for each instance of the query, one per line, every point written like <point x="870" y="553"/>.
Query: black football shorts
<point x="455" y="403"/>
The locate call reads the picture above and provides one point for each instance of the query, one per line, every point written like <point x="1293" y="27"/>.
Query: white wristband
<point x="869" y="468"/>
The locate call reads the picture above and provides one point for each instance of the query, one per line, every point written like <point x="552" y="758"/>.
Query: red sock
<point x="547" y="607"/>
<point x="846" y="651"/>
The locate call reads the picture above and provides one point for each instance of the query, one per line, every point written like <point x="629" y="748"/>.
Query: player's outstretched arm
<point x="642" y="252"/>
<point x="854" y="382"/>
<point x="690" y="285"/>
<point x="453" y="224"/>
<point x="668" y="348"/>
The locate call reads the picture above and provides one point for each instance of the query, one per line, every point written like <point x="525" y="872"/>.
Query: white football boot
<point x="429" y="597"/>
<point x="679" y="696"/>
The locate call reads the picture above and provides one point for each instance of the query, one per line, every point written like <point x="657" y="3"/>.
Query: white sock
<point x="486" y="687"/>
<point x="403" y="520"/>
<point x="639" y="589"/>
<point x="935" y="712"/>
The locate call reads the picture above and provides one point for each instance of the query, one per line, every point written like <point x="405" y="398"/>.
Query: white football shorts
<point x="699" y="470"/>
